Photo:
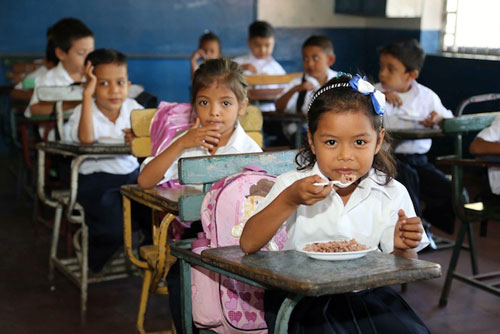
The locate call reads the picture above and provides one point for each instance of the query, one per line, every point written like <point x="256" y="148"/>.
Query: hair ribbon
<point x="364" y="87"/>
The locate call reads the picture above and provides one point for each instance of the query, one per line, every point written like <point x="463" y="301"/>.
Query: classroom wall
<point x="158" y="36"/>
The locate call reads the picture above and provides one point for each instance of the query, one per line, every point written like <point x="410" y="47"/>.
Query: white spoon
<point x="335" y="183"/>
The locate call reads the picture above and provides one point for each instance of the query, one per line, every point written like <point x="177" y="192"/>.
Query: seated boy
<point x="317" y="57"/>
<point x="260" y="59"/>
<point x="73" y="41"/>
<point x="487" y="142"/>
<point x="412" y="105"/>
<point x="104" y="113"/>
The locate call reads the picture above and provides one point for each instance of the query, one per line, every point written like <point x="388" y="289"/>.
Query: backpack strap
<point x="301" y="98"/>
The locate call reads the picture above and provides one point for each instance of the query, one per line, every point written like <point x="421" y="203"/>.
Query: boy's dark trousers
<point x="99" y="194"/>
<point x="428" y="184"/>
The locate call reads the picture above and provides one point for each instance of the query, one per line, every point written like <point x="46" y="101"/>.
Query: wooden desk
<point x="291" y="271"/>
<point x="420" y="133"/>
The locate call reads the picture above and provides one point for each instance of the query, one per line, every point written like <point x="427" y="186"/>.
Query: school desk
<point x="468" y="213"/>
<point x="71" y="267"/>
<point x="298" y="274"/>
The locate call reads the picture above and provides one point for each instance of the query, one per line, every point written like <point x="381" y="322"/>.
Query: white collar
<point x="60" y="71"/>
<point x="329" y="75"/>
<point x="101" y="114"/>
<point x="235" y="141"/>
<point x="374" y="180"/>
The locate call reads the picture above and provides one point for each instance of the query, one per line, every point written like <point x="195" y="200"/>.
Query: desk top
<point x="158" y="198"/>
<point x="295" y="272"/>
<point x="486" y="161"/>
<point x="420" y="133"/>
<point x="73" y="148"/>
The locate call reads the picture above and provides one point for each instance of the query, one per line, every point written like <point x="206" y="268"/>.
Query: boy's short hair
<point x="65" y="31"/>
<point x="408" y="52"/>
<point x="320" y="41"/>
<point x="106" y="56"/>
<point x="208" y="36"/>
<point x="260" y="29"/>
<point x="50" y="49"/>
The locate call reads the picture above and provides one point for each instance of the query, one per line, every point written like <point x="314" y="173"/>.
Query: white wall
<point x="320" y="14"/>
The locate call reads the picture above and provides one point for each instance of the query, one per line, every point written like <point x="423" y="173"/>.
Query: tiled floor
<point x="27" y="304"/>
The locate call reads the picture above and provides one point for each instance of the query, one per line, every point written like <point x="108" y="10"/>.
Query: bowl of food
<point x="336" y="249"/>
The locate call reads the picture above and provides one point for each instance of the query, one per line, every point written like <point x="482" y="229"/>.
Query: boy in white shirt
<point x="412" y="105"/>
<point x="104" y="115"/>
<point x="317" y="57"/>
<point x="260" y="59"/>
<point x="73" y="41"/>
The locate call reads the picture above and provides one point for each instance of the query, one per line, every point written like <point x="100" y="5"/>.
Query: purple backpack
<point x="219" y="303"/>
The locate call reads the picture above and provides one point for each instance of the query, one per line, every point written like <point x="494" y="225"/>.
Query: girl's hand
<point x="431" y="120"/>
<point x="198" y="54"/>
<point x="206" y="136"/>
<point x="408" y="231"/>
<point x="393" y="99"/>
<point x="304" y="191"/>
<point x="89" y="89"/>
<point x="128" y="134"/>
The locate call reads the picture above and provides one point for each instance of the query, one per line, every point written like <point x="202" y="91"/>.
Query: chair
<point x="468" y="213"/>
<point x="155" y="254"/>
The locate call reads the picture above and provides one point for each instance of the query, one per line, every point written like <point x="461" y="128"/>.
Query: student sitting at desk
<point x="208" y="48"/>
<point x="104" y="115"/>
<point x="73" y="41"/>
<point x="260" y="59"/>
<point x="20" y="91"/>
<point x="345" y="143"/>
<point x="317" y="57"/>
<point x="412" y="105"/>
<point x="219" y="96"/>
<point x="487" y="142"/>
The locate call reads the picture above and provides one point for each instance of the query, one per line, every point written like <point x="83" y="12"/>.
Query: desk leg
<point x="186" y="316"/>
<point x="284" y="313"/>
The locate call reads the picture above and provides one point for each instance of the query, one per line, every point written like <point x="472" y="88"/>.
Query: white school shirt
<point x="290" y="128"/>
<point x="103" y="127"/>
<point x="268" y="66"/>
<point x="418" y="103"/>
<point x="57" y="76"/>
<point x="492" y="134"/>
<point x="370" y="215"/>
<point x="239" y="142"/>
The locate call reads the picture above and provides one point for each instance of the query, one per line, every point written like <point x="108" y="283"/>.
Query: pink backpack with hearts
<point x="219" y="303"/>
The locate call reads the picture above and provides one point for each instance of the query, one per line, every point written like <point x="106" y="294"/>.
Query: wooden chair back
<point x="207" y="170"/>
<point x="140" y="120"/>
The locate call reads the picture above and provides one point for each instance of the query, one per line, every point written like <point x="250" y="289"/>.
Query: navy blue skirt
<point x="379" y="310"/>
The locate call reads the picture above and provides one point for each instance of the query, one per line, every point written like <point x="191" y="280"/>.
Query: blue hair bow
<point x="364" y="87"/>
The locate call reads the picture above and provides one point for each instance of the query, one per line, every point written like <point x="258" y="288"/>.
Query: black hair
<point x="223" y="71"/>
<point x="260" y="29"/>
<point x="345" y="99"/>
<point x="106" y="56"/>
<point x="65" y="31"/>
<point x="408" y="52"/>
<point x="320" y="41"/>
<point x="208" y="36"/>
<point x="50" y="48"/>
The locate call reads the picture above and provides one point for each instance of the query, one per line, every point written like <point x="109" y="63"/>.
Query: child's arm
<point x="86" y="125"/>
<point x="207" y="137"/>
<point x="393" y="99"/>
<point x="282" y="102"/>
<point x="249" y="67"/>
<point x="260" y="228"/>
<point x="480" y="146"/>
<point x="198" y="54"/>
<point x="407" y="235"/>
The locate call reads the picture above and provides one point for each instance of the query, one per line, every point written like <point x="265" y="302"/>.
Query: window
<point x="472" y="26"/>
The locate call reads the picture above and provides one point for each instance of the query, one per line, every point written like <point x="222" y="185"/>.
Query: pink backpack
<point x="220" y="303"/>
<point x="169" y="119"/>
